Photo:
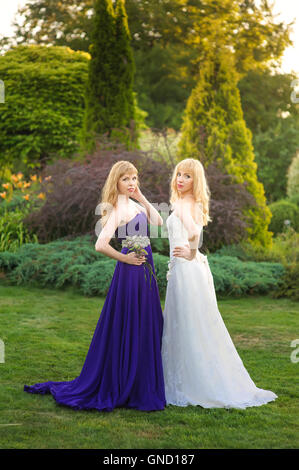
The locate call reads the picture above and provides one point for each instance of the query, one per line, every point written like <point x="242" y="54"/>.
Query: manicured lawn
<point x="47" y="335"/>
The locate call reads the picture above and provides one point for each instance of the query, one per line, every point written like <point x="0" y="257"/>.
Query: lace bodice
<point x="178" y="236"/>
<point x="177" y="233"/>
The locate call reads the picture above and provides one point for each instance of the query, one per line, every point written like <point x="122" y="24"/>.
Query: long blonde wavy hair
<point x="201" y="191"/>
<point x="109" y="194"/>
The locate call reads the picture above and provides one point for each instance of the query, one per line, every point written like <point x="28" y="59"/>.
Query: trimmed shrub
<point x="51" y="264"/>
<point x="97" y="278"/>
<point x="44" y="103"/>
<point x="282" y="211"/>
<point x="289" y="286"/>
<point x="285" y="249"/>
<point x="233" y="277"/>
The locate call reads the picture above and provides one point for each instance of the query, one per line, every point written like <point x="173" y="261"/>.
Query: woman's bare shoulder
<point x="118" y="215"/>
<point x="139" y="207"/>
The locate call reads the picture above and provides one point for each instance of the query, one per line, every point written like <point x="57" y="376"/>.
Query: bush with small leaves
<point x="284" y="214"/>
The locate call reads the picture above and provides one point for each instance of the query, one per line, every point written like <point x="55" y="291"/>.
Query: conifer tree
<point x="109" y="99"/>
<point x="214" y="130"/>
<point x="125" y="70"/>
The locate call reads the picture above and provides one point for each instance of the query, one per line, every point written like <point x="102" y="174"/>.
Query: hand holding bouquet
<point x="138" y="244"/>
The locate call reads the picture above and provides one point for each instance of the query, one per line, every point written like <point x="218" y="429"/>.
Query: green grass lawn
<point x="47" y="335"/>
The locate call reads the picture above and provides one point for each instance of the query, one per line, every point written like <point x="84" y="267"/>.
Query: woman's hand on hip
<point x="182" y="252"/>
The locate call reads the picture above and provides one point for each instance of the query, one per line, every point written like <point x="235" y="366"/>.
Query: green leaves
<point x="13" y="233"/>
<point x="44" y="104"/>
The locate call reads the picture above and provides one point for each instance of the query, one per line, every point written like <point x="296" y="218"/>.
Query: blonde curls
<point x="201" y="191"/>
<point x="109" y="195"/>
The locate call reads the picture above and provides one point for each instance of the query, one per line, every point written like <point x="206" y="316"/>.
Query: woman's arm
<point x="152" y="214"/>
<point x="187" y="251"/>
<point x="102" y="244"/>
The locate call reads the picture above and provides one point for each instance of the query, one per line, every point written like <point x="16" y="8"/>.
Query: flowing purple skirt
<point x="123" y="366"/>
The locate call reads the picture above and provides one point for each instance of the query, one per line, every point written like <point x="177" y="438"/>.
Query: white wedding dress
<point x="200" y="362"/>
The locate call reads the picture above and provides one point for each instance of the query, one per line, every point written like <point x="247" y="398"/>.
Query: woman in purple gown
<point x="123" y="366"/>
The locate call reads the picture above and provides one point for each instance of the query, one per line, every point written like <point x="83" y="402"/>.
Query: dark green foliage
<point x="13" y="233"/>
<point x="294" y="199"/>
<point x="125" y="66"/>
<point x="233" y="277"/>
<point x="162" y="83"/>
<point x="76" y="263"/>
<point x="9" y="261"/>
<point x="273" y="120"/>
<point x="274" y="150"/>
<point x="17" y="202"/>
<point x="97" y="277"/>
<point x="160" y="245"/>
<point x="109" y="95"/>
<point x="161" y="268"/>
<point x="237" y="250"/>
<point x="284" y="250"/>
<point x="56" y="264"/>
<point x="283" y="210"/>
<point x="44" y="103"/>
<point x="289" y="287"/>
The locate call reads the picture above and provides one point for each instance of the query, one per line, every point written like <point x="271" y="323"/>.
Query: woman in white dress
<point x="200" y="362"/>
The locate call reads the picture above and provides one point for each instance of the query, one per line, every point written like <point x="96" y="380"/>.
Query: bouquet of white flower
<point x="138" y="243"/>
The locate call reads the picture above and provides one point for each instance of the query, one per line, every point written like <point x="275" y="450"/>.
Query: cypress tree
<point x="214" y="130"/>
<point x="125" y="70"/>
<point x="109" y="99"/>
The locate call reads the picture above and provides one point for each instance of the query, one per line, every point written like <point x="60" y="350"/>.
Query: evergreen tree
<point x="109" y="97"/>
<point x="214" y="130"/>
<point x="125" y="70"/>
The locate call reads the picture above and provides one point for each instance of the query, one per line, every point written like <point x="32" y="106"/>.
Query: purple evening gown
<point x="123" y="366"/>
